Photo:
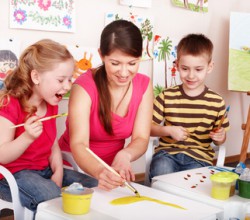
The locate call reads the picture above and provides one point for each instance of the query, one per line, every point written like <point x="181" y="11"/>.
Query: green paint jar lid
<point x="224" y="177"/>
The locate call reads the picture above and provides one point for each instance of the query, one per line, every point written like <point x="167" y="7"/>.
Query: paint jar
<point x="244" y="188"/>
<point x="77" y="201"/>
<point x="223" y="184"/>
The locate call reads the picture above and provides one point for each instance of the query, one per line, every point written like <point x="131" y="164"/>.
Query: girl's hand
<point x="108" y="180"/>
<point x="218" y="136"/>
<point x="57" y="179"/>
<point x="33" y="127"/>
<point x="122" y="165"/>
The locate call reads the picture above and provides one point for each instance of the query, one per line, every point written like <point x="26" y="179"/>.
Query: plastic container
<point x="223" y="185"/>
<point x="244" y="188"/>
<point x="77" y="202"/>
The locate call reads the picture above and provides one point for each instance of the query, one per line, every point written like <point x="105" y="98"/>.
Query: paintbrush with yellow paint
<point x="113" y="171"/>
<point x="43" y="119"/>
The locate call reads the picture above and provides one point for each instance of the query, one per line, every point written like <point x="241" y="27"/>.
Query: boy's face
<point x="193" y="71"/>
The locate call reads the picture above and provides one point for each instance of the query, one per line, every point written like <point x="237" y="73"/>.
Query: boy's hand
<point x="179" y="133"/>
<point x="218" y="136"/>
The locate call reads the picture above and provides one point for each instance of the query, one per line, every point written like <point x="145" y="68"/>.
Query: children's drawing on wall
<point x="86" y="58"/>
<point x="239" y="52"/>
<point x="9" y="52"/>
<point x="193" y="5"/>
<point x="165" y="72"/>
<point x="49" y="15"/>
<point x="137" y="3"/>
<point x="144" y="24"/>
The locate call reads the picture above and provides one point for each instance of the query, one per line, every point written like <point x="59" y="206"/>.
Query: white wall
<point x="168" y="21"/>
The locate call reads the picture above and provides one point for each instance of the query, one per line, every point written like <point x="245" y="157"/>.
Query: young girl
<point x="31" y="152"/>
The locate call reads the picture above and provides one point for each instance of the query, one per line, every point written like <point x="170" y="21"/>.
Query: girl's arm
<point x="10" y="147"/>
<point x="139" y="139"/>
<point x="56" y="164"/>
<point x="79" y="114"/>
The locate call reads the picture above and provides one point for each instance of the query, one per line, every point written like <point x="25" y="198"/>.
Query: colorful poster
<point x="239" y="52"/>
<point x="193" y="5"/>
<point x="9" y="54"/>
<point x="165" y="72"/>
<point x="144" y="24"/>
<point x="86" y="58"/>
<point x="48" y="15"/>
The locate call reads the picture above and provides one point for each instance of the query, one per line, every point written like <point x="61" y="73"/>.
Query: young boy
<point x="190" y="113"/>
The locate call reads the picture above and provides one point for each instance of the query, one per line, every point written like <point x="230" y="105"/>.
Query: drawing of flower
<point x="67" y="21"/>
<point x="20" y="16"/>
<point x="44" y="4"/>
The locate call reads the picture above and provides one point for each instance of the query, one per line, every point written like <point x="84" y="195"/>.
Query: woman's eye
<point x="115" y="64"/>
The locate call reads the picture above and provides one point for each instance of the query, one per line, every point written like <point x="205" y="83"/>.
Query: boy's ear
<point x="210" y="66"/>
<point x="35" y="77"/>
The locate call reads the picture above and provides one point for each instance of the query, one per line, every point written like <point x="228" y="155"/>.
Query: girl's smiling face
<point x="193" y="71"/>
<point x="54" y="84"/>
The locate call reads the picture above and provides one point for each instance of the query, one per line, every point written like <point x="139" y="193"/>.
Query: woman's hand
<point x="122" y="165"/>
<point x="108" y="180"/>
<point x="33" y="127"/>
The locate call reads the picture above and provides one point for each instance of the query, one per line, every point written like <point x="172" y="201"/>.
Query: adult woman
<point x="108" y="105"/>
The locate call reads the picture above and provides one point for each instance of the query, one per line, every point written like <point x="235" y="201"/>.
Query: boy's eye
<point x="60" y="80"/>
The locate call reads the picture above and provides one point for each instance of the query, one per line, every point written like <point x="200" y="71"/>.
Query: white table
<point x="102" y="209"/>
<point x="196" y="185"/>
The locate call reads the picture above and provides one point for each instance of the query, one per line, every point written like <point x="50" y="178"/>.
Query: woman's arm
<point x="11" y="148"/>
<point x="56" y="164"/>
<point x="139" y="139"/>
<point x="79" y="114"/>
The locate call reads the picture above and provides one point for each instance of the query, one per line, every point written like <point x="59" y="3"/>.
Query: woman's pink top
<point x="104" y="145"/>
<point x="36" y="156"/>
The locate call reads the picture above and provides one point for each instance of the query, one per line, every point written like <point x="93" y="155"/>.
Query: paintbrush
<point x="223" y="118"/>
<point x="113" y="171"/>
<point x="43" y="119"/>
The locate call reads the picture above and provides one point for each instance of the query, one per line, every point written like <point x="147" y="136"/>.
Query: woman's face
<point x="120" y="67"/>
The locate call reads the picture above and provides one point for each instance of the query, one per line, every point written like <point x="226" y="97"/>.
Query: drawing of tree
<point x="164" y="52"/>
<point x="147" y="33"/>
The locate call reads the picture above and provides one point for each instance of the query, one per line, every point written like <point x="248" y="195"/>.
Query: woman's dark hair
<point x="119" y="35"/>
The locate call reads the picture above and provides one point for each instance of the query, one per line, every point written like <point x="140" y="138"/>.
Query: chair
<point x="153" y="142"/>
<point x="20" y="212"/>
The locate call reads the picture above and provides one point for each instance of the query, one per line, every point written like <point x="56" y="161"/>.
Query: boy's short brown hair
<point x="195" y="44"/>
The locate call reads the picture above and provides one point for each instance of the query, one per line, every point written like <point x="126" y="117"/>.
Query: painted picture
<point x="165" y="72"/>
<point x="86" y="58"/>
<point x="137" y="3"/>
<point x="144" y="24"/>
<point x="9" y="54"/>
<point x="47" y="15"/>
<point x="239" y="52"/>
<point x="193" y="5"/>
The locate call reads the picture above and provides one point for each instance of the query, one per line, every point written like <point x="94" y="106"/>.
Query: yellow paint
<point x="132" y="199"/>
